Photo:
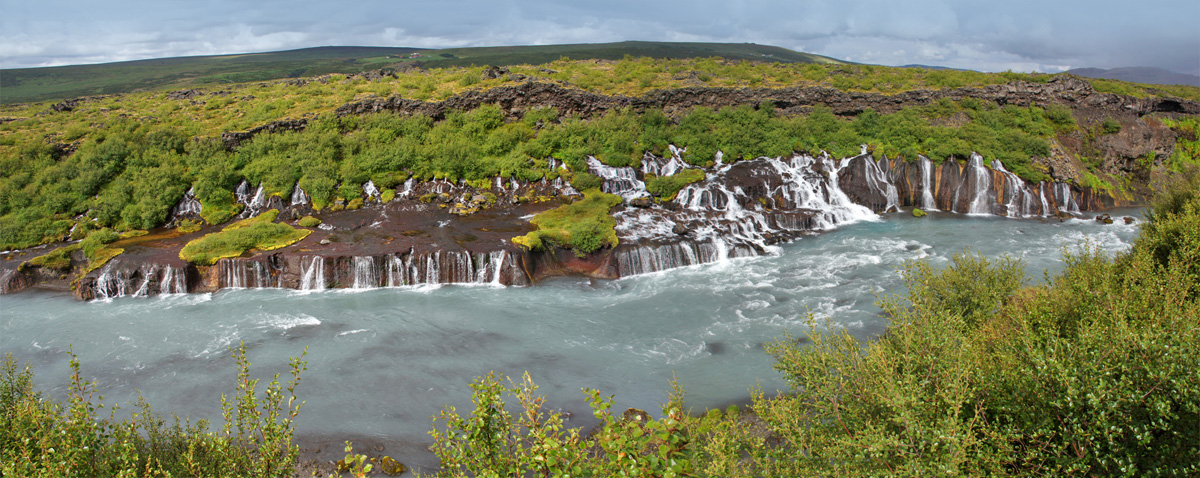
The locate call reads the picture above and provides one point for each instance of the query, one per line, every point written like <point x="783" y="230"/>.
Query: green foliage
<point x="492" y="441"/>
<point x="583" y="226"/>
<point x="1187" y="146"/>
<point x="1110" y="126"/>
<point x="259" y="233"/>
<point x="59" y="259"/>
<point x="665" y="187"/>
<point x="917" y="212"/>
<point x="309" y="221"/>
<point x="1086" y="374"/>
<point x="41" y="437"/>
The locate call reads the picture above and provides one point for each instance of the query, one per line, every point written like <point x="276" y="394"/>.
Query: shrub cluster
<point x="42" y="437"/>
<point x="130" y="174"/>
<point x="583" y="226"/>
<point x="1091" y="372"/>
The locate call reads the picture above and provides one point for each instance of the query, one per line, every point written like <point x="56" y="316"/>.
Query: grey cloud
<point x="987" y="35"/>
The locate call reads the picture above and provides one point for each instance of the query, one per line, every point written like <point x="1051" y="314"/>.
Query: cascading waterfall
<point x="926" y="168"/>
<point x="619" y="181"/>
<point x="1062" y="195"/>
<point x="1017" y="200"/>
<point x="299" y="197"/>
<point x="174" y="281"/>
<point x="979" y="183"/>
<point x="313" y="276"/>
<point x="1042" y="197"/>
<point x="365" y="273"/>
<point x="370" y="191"/>
<point x="188" y="205"/>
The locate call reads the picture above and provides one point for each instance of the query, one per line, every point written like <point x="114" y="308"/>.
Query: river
<point x="381" y="362"/>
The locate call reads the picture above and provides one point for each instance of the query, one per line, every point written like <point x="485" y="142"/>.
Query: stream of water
<point x="382" y="361"/>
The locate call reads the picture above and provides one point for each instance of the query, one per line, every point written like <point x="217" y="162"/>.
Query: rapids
<point x="383" y="360"/>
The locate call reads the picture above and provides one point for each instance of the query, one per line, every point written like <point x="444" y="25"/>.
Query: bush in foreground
<point x="1092" y="372"/>
<point x="41" y="437"/>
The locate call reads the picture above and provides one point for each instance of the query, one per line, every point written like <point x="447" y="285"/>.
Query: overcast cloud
<point x="1021" y="35"/>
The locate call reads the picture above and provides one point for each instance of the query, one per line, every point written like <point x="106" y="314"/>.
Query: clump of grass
<point x="259" y="233"/>
<point x="309" y="221"/>
<point x="666" y="187"/>
<point x="583" y="226"/>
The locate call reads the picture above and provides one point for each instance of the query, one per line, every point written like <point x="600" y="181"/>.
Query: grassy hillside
<point x="41" y="84"/>
<point x="123" y="161"/>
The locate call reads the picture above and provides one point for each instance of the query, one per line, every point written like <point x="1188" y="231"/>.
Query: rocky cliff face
<point x="740" y="209"/>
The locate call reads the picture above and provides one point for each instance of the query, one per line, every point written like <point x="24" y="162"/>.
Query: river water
<point x="381" y="362"/>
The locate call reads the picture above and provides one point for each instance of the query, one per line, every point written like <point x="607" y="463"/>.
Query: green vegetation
<point x="1187" y="146"/>
<point x="42" y="437"/>
<point x="124" y="161"/>
<point x="259" y="233"/>
<point x="1091" y="372"/>
<point x="917" y="212"/>
<point x="583" y="226"/>
<point x="666" y="187"/>
<point x="309" y="221"/>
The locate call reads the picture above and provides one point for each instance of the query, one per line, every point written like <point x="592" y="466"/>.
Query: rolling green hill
<point x="61" y="82"/>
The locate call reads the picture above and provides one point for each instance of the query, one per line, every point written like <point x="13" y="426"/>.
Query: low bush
<point x="665" y="187"/>
<point x="42" y="437"/>
<point x="582" y="226"/>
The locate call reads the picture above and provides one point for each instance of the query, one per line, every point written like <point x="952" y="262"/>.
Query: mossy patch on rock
<point x="917" y="212"/>
<point x="260" y="233"/>
<point x="583" y="226"/>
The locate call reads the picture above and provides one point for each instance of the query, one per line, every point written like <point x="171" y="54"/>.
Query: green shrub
<point x="40" y="436"/>
<point x="309" y="221"/>
<point x="666" y="187"/>
<point x="583" y="226"/>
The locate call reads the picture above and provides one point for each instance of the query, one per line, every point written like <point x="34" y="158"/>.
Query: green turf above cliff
<point x="21" y="85"/>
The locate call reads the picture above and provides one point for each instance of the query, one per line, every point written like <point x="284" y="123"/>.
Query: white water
<point x="313" y="277"/>
<point x="383" y="361"/>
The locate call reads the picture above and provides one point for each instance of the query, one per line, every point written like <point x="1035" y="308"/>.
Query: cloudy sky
<point x="992" y="35"/>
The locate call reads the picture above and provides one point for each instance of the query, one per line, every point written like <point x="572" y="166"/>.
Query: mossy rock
<point x="309" y="221"/>
<point x="354" y="204"/>
<point x="917" y="212"/>
<point x="391" y="467"/>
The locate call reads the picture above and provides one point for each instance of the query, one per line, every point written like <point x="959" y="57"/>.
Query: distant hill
<point x="1140" y="74"/>
<point x="61" y="82"/>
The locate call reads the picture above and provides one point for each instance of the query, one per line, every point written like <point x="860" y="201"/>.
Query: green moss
<point x="583" y="226"/>
<point x="309" y="221"/>
<point x="259" y="233"/>
<point x="666" y="187"/>
<point x="59" y="259"/>
<point x="916" y="212"/>
<point x="387" y="196"/>
<point x="354" y="204"/>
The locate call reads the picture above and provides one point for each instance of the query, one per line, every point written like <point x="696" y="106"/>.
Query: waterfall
<point x="370" y="191"/>
<point x="147" y="271"/>
<point x="408" y="185"/>
<point x="110" y="284"/>
<point x="619" y="181"/>
<point x="1062" y="195"/>
<point x="188" y="205"/>
<point x="980" y="182"/>
<point x="1018" y="202"/>
<point x="313" y="276"/>
<point x="664" y="166"/>
<point x="1042" y="195"/>
<point x="299" y="197"/>
<point x="174" y="281"/>
<point x="365" y="274"/>
<point x="926" y="168"/>
<point x="496" y="260"/>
